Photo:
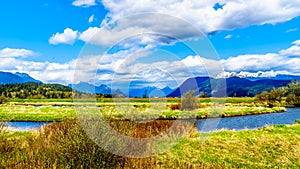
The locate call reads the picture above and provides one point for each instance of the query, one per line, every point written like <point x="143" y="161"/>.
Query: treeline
<point x="35" y="91"/>
<point x="289" y="96"/>
<point x="43" y="91"/>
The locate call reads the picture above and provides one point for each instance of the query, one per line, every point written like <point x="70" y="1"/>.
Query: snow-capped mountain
<point x="259" y="75"/>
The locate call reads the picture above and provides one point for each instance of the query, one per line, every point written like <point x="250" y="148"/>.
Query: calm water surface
<point x="25" y="125"/>
<point x="249" y="122"/>
<point x="232" y="123"/>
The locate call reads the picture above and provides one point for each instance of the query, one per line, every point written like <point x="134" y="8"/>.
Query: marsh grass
<point x="59" y="145"/>
<point x="65" y="145"/>
<point x="32" y="113"/>
<point x="2" y="127"/>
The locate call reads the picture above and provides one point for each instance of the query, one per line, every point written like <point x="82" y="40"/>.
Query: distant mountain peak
<point x="26" y="77"/>
<point x="247" y="74"/>
<point x="16" y="78"/>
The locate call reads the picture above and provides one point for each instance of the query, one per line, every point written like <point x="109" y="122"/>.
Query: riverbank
<point x="65" y="145"/>
<point x="41" y="112"/>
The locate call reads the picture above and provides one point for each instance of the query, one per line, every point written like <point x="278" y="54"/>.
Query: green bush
<point x="294" y="94"/>
<point x="3" y="100"/>
<point x="189" y="101"/>
<point x="271" y="99"/>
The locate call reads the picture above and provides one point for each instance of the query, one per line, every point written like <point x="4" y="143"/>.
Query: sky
<point x="148" y="42"/>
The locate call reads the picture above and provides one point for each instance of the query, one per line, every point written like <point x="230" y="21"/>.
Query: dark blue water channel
<point x="248" y="122"/>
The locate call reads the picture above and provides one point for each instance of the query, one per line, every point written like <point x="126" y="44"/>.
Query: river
<point x="248" y="122"/>
<point x="23" y="126"/>
<point x="208" y="125"/>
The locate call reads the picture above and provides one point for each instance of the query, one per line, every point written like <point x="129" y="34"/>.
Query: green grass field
<point x="142" y="100"/>
<point x="58" y="111"/>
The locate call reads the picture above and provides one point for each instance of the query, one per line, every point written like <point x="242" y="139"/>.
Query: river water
<point x="208" y="125"/>
<point x="25" y="125"/>
<point x="248" y="122"/>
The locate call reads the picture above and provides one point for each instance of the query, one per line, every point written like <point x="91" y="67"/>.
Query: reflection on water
<point x="249" y="122"/>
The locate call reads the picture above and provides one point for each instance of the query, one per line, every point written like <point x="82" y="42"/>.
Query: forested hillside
<point x="35" y="91"/>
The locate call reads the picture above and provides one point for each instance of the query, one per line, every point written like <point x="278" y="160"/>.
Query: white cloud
<point x="124" y="66"/>
<point x="286" y="60"/>
<point x="297" y="42"/>
<point x="91" y="18"/>
<point x="84" y="3"/>
<point x="235" y="13"/>
<point x="141" y="29"/>
<point x="107" y="37"/>
<point x="44" y="71"/>
<point x="228" y="37"/>
<point x="9" y="52"/>
<point x="67" y="37"/>
<point x="293" y="50"/>
<point x="292" y="30"/>
<point x="184" y="19"/>
<point x="244" y="74"/>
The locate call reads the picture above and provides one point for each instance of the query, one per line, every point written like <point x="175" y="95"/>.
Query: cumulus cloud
<point x="9" y="52"/>
<point x="297" y="42"/>
<point x="286" y="60"/>
<point x="67" y="37"/>
<point x="44" y="71"/>
<point x="178" y="19"/>
<point x="184" y="19"/>
<point x="293" y="51"/>
<point x="124" y="66"/>
<point x="107" y="37"/>
<point x="141" y="28"/>
<point x="235" y="13"/>
<point x="84" y="3"/>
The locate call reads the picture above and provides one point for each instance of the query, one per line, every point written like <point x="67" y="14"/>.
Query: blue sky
<point x="68" y="41"/>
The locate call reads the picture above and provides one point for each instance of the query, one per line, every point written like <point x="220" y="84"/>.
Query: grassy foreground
<point x="65" y="145"/>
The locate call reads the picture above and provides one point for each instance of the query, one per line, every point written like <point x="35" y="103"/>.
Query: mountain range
<point x="235" y="86"/>
<point x="150" y="91"/>
<point x="16" y="78"/>
<point x="258" y="76"/>
<point x="91" y="89"/>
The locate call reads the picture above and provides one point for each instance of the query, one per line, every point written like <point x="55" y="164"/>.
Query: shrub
<point x="174" y="106"/>
<point x="294" y="94"/>
<point x="3" y="100"/>
<point x="271" y="99"/>
<point x="189" y="101"/>
<point x="262" y="98"/>
<point x="292" y="99"/>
